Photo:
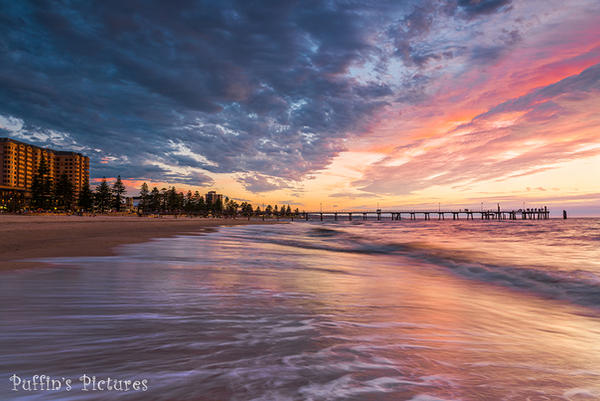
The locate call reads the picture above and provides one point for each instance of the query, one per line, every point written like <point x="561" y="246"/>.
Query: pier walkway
<point x="464" y="214"/>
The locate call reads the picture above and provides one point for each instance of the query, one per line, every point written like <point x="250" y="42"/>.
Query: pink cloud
<point x="527" y="134"/>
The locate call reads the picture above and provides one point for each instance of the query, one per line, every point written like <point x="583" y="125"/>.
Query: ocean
<point x="362" y="310"/>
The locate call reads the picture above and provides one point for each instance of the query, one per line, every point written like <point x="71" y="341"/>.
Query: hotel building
<point x="19" y="163"/>
<point x="213" y="197"/>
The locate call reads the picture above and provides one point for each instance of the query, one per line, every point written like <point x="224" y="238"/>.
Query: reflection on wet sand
<point x="252" y="313"/>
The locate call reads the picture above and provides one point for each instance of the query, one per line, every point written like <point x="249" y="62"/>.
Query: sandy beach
<point x="32" y="237"/>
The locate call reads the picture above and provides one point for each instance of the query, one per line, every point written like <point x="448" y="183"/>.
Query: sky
<point x="336" y="104"/>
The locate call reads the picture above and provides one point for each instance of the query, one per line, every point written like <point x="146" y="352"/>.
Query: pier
<point x="463" y="214"/>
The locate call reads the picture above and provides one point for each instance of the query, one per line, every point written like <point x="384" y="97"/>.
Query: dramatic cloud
<point x="528" y="134"/>
<point x="260" y="97"/>
<point x="474" y="8"/>
<point x="265" y="87"/>
<point x="243" y="86"/>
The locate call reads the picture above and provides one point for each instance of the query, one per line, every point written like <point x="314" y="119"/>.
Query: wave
<point x="577" y="286"/>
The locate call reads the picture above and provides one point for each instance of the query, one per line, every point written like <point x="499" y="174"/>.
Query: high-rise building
<point x="76" y="167"/>
<point x="19" y="162"/>
<point x="213" y="197"/>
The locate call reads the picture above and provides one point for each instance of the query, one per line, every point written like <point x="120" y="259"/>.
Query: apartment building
<point x="213" y="197"/>
<point x="19" y="163"/>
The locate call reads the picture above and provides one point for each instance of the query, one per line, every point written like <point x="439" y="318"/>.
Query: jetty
<point x="461" y="214"/>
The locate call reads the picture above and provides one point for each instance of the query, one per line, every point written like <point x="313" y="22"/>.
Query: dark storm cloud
<point x="413" y="26"/>
<point x="409" y="32"/>
<point x="474" y="8"/>
<point x="260" y="87"/>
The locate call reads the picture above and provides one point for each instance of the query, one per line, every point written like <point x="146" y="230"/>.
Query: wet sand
<point x="33" y="237"/>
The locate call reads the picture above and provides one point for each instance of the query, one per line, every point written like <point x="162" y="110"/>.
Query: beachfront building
<point x="19" y="163"/>
<point x="75" y="165"/>
<point x="213" y="197"/>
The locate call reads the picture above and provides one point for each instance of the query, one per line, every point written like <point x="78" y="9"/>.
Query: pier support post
<point x="321" y="216"/>
<point x="350" y="216"/>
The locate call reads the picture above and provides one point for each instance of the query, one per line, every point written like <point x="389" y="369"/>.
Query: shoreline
<point x="38" y="237"/>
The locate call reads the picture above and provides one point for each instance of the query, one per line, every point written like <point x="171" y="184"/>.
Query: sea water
<point x="375" y="310"/>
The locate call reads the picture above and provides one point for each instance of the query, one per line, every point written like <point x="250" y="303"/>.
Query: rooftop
<point x="57" y="152"/>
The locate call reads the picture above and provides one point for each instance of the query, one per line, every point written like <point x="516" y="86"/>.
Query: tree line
<point x="170" y="201"/>
<point x="50" y="194"/>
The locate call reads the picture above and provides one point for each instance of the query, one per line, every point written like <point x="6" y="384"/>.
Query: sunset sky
<point x="346" y="103"/>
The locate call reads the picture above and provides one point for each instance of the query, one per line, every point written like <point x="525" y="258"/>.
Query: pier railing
<point x="464" y="214"/>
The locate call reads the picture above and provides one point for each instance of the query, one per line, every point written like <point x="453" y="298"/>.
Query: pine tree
<point x="41" y="187"/>
<point x="63" y="192"/>
<point x="288" y="212"/>
<point x="246" y="209"/>
<point x="201" y="207"/>
<point x="86" y="197"/>
<point x="231" y="208"/>
<point x="217" y="208"/>
<point x="155" y="200"/>
<point x="103" y="197"/>
<point x="118" y="190"/>
<point x="188" y="203"/>
<point x="164" y="193"/>
<point x="37" y="196"/>
<point x="144" y="198"/>
<point x="180" y="201"/>
<point x="172" y="200"/>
